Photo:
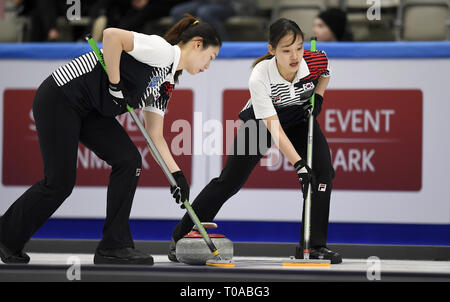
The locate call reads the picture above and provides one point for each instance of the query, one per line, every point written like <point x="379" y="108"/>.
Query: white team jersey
<point x="270" y="92"/>
<point x="156" y="52"/>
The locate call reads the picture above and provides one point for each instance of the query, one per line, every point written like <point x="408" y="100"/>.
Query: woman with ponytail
<point x="281" y="84"/>
<point x="78" y="102"/>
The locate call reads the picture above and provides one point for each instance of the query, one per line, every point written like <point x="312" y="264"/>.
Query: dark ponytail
<point x="188" y="28"/>
<point x="277" y="31"/>
<point x="267" y="56"/>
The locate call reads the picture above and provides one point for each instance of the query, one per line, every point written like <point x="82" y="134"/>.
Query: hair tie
<point x="195" y="22"/>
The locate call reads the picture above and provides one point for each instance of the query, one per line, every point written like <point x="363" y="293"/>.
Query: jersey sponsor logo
<point x="154" y="82"/>
<point x="167" y="88"/>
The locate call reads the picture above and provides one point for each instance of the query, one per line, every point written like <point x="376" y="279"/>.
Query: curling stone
<point x="192" y="248"/>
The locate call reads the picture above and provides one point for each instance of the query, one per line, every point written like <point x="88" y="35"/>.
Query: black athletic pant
<point x="60" y="128"/>
<point x="238" y="168"/>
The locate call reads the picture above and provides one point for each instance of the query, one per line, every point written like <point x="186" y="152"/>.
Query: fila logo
<point x="277" y="98"/>
<point x="322" y="187"/>
<point x="138" y="172"/>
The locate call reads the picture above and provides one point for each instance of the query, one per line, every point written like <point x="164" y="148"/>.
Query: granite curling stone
<point x="192" y="248"/>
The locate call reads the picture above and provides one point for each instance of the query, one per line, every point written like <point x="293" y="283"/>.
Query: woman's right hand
<point x="119" y="94"/>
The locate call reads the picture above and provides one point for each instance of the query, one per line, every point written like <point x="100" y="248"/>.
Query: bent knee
<point x="60" y="189"/>
<point x="229" y="185"/>
<point x="131" y="160"/>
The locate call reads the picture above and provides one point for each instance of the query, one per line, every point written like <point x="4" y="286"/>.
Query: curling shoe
<point x="172" y="255"/>
<point x="9" y="257"/>
<point x="126" y="255"/>
<point x="321" y="253"/>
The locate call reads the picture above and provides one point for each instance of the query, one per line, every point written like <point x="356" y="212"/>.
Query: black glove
<point x="305" y="176"/>
<point x="318" y="100"/>
<point x="119" y="95"/>
<point x="181" y="191"/>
